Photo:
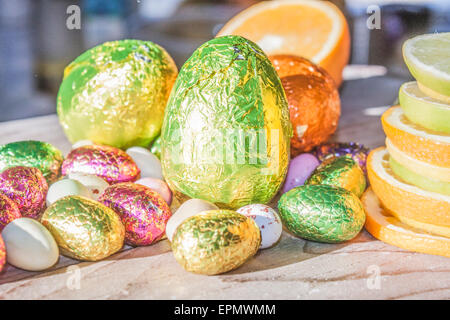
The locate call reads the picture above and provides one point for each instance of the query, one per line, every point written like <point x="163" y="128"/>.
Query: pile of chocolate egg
<point x="84" y="206"/>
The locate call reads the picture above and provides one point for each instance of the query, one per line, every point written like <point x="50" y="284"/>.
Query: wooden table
<point x="363" y="268"/>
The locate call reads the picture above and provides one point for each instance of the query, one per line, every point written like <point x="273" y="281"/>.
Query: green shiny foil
<point x="84" y="229"/>
<point x="116" y="93"/>
<point x="342" y="172"/>
<point x="156" y="147"/>
<point x="227" y="99"/>
<point x="322" y="213"/>
<point x="215" y="241"/>
<point x="37" y="154"/>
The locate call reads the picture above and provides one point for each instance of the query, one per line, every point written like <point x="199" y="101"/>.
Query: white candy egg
<point x="94" y="184"/>
<point x="188" y="209"/>
<point x="147" y="162"/>
<point x="159" y="186"/>
<point x="29" y="245"/>
<point x="81" y="143"/>
<point x="268" y="221"/>
<point x="66" y="187"/>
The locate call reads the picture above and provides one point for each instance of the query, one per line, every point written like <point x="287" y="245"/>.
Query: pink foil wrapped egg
<point x="27" y="187"/>
<point x="143" y="211"/>
<point x="111" y="164"/>
<point x="8" y="211"/>
<point x="2" y="254"/>
<point x="159" y="186"/>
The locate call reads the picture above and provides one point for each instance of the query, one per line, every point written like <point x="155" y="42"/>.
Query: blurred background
<point x="36" y="45"/>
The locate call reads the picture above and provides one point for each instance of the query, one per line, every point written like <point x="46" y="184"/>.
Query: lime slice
<point x="422" y="182"/>
<point x="428" y="59"/>
<point x="424" y="110"/>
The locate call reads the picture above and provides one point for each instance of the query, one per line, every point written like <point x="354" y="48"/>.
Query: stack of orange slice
<point x="408" y="204"/>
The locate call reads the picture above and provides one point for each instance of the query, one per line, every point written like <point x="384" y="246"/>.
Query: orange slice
<point x="389" y="229"/>
<point x="404" y="200"/>
<point x="316" y="30"/>
<point x="416" y="141"/>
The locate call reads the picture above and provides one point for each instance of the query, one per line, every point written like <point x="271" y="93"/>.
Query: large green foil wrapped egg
<point x="226" y="131"/>
<point x="116" y="93"/>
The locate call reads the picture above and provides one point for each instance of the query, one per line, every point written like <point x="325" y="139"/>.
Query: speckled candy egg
<point x="322" y="213"/>
<point x="27" y="187"/>
<point x="9" y="211"/>
<point x="355" y="150"/>
<point x="37" y="154"/>
<point x="2" y="254"/>
<point x="94" y="184"/>
<point x="188" y="209"/>
<point x="215" y="242"/>
<point x="159" y="186"/>
<point x="83" y="228"/>
<point x="143" y="211"/>
<point x="300" y="168"/>
<point x="147" y="162"/>
<point x="112" y="164"/>
<point x="29" y="245"/>
<point x="342" y="172"/>
<point x="268" y="221"/>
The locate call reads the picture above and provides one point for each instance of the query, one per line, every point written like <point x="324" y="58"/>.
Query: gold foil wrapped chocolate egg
<point x="313" y="98"/>
<point x="116" y="93"/>
<point x="84" y="229"/>
<point x="342" y="172"/>
<point x="226" y="131"/>
<point x="215" y="241"/>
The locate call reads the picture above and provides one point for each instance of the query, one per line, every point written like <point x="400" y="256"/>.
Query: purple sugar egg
<point x="300" y="168"/>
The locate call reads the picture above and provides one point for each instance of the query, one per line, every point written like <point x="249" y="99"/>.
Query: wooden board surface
<point x="363" y="268"/>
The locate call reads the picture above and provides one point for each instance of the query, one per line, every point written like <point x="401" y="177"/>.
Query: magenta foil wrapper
<point x="27" y="187"/>
<point x="9" y="211"/>
<point x="143" y="211"/>
<point x="112" y="164"/>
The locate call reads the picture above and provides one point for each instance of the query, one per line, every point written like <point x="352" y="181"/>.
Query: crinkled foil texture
<point x="143" y="211"/>
<point x="2" y="253"/>
<point x="322" y="213"/>
<point x="355" y="150"/>
<point x="9" y="211"/>
<point x="227" y="93"/>
<point x="156" y="147"/>
<point x="342" y="172"/>
<point x="112" y="164"/>
<point x="84" y="229"/>
<point x="37" y="154"/>
<point x="215" y="242"/>
<point x="27" y="187"/>
<point x="116" y="93"/>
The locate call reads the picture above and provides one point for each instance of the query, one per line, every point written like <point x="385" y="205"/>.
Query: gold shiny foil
<point x="226" y="131"/>
<point x="215" y="241"/>
<point x="342" y="172"/>
<point x="84" y="229"/>
<point x="116" y="93"/>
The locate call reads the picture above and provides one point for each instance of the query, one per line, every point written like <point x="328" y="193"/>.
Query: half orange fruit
<point x="416" y="141"/>
<point x="405" y="201"/>
<point x="385" y="227"/>
<point x="316" y="30"/>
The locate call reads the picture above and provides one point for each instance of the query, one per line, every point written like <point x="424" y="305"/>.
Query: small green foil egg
<point x="342" y="172"/>
<point x="322" y="213"/>
<point x="215" y="241"/>
<point x="30" y="153"/>
<point x="116" y="93"/>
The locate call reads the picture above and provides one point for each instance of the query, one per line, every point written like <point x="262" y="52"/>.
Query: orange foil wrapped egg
<point x="313" y="99"/>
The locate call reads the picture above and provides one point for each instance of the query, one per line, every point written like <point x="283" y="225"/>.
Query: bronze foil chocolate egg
<point x="215" y="241"/>
<point x="84" y="229"/>
<point x="314" y="105"/>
